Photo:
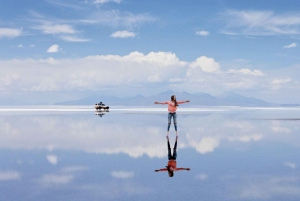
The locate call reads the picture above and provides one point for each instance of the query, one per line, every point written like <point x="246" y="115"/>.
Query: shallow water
<point x="71" y="153"/>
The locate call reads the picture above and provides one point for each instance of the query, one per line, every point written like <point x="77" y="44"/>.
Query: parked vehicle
<point x="101" y="107"/>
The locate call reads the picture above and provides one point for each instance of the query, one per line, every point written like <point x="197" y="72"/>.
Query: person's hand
<point x="188" y="169"/>
<point x="156" y="170"/>
<point x="187" y="101"/>
<point x="155" y="102"/>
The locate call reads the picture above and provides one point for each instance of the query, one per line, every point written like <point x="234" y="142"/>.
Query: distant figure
<point x="172" y="107"/>
<point x="171" y="166"/>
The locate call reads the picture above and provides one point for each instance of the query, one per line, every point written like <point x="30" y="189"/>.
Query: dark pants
<point x="170" y="156"/>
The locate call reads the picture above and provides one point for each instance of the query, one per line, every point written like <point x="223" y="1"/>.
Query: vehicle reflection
<point x="172" y="164"/>
<point x="100" y="114"/>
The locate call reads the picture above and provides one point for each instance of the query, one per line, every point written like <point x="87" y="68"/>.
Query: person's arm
<point x="188" y="169"/>
<point x="161" y="170"/>
<point x="163" y="103"/>
<point x="181" y="102"/>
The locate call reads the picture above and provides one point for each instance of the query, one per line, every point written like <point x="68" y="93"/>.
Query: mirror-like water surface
<point x="68" y="153"/>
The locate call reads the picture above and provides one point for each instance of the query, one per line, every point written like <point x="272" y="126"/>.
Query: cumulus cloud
<point x="290" y="46"/>
<point x="53" y="48"/>
<point x="9" y="175"/>
<point x="246" y="71"/>
<point x="84" y="73"/>
<point x="122" y="174"/>
<point x="123" y="34"/>
<point x="52" y="159"/>
<point x="202" y="33"/>
<point x="10" y="33"/>
<point x="20" y="46"/>
<point x="206" y="64"/>
<point x="253" y="22"/>
<point x="155" y="68"/>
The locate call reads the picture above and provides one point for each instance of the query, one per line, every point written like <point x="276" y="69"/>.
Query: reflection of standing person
<point x="172" y="107"/>
<point x="171" y="167"/>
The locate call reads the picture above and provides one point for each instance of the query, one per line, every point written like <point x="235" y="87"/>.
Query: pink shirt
<point x="172" y="166"/>
<point x="171" y="105"/>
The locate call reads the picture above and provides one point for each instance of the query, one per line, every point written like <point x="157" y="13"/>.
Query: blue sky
<point x="56" y="50"/>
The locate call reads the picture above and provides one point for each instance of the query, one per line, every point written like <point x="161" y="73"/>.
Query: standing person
<point x="172" y="107"/>
<point x="171" y="166"/>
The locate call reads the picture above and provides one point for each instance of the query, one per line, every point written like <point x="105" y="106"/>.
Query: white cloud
<point x="290" y="46"/>
<point x="53" y="48"/>
<point x="106" y="1"/>
<point x="150" y="70"/>
<point x="251" y="22"/>
<point x="246" y="71"/>
<point x="50" y="179"/>
<point x="116" y="18"/>
<point x="52" y="159"/>
<point x="32" y="45"/>
<point x="290" y="165"/>
<point x="206" y="64"/>
<point x="202" y="33"/>
<point x="20" y="46"/>
<point x="10" y="33"/>
<point x="280" y="81"/>
<point x="123" y="34"/>
<point x="51" y="28"/>
<point x="122" y="174"/>
<point x="74" y="39"/>
<point x="9" y="175"/>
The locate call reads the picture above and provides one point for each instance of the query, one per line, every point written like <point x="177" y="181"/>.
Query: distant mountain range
<point x="201" y="99"/>
<point x="205" y="99"/>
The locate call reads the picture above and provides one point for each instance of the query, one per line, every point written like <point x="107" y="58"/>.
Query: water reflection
<point x="74" y="155"/>
<point x="136" y="134"/>
<point x="172" y="164"/>
<point x="100" y="113"/>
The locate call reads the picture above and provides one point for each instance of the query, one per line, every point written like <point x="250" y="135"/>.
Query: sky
<point x="59" y="50"/>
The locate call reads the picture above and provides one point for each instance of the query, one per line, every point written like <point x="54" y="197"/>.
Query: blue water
<point x="71" y="153"/>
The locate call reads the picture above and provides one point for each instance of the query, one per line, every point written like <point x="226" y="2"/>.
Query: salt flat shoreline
<point x="90" y="108"/>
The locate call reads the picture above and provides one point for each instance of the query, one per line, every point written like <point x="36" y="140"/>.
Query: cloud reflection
<point x="268" y="187"/>
<point x="9" y="175"/>
<point x="52" y="159"/>
<point x="136" y="134"/>
<point x="122" y="174"/>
